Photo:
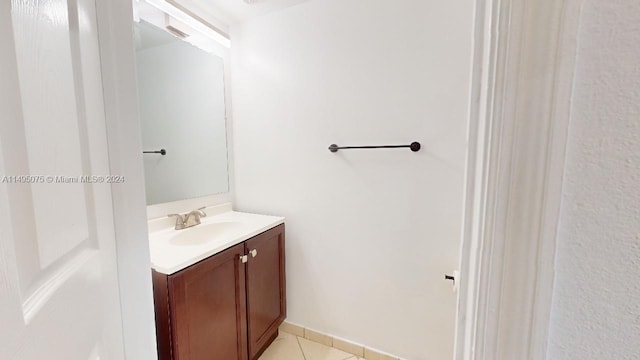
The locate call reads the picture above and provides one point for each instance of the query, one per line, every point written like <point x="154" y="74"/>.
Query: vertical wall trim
<point x="466" y="315"/>
<point x="115" y="32"/>
<point x="525" y="53"/>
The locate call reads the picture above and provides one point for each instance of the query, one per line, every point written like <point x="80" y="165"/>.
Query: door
<point x="266" y="297"/>
<point x="59" y="294"/>
<point x="209" y="308"/>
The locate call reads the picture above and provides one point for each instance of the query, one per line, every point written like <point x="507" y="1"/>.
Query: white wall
<point x="596" y="306"/>
<point x="182" y="109"/>
<point x="370" y="233"/>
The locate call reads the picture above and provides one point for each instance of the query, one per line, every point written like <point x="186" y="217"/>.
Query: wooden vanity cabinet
<point x="223" y="308"/>
<point x="265" y="284"/>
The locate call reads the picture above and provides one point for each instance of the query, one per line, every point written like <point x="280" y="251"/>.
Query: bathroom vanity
<point x="219" y="287"/>
<point x="218" y="275"/>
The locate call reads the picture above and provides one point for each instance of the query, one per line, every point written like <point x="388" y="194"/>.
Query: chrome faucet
<point x="190" y="219"/>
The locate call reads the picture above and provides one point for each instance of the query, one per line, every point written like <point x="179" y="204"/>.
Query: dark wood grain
<point x="209" y="308"/>
<point x="266" y="289"/>
<point x="163" y="324"/>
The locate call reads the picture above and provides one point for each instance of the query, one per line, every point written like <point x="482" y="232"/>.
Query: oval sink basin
<point x="203" y="233"/>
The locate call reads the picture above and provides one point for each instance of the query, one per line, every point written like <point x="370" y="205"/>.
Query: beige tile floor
<point x="290" y="347"/>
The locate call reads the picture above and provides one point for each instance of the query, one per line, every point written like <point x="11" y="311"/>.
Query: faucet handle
<point x="179" y="221"/>
<point x="178" y="217"/>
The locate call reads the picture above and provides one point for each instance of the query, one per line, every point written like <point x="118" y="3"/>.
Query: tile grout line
<point x="300" y="346"/>
<point x="352" y="355"/>
<point x="349" y="357"/>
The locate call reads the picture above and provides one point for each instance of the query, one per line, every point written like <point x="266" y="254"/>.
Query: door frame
<point x="524" y="59"/>
<point x="115" y="32"/>
<point x="523" y="67"/>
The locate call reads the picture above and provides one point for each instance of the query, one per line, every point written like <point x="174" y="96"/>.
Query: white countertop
<point x="170" y="253"/>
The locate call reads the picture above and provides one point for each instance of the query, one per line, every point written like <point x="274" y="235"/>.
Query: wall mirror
<point x="181" y="97"/>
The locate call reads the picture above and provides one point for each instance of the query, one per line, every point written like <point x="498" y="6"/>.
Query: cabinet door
<point x="208" y="308"/>
<point x="266" y="308"/>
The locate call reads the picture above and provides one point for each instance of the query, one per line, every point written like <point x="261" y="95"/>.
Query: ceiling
<point x="232" y="11"/>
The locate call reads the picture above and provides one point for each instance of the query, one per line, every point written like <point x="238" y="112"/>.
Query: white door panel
<point x="50" y="106"/>
<point x="58" y="277"/>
